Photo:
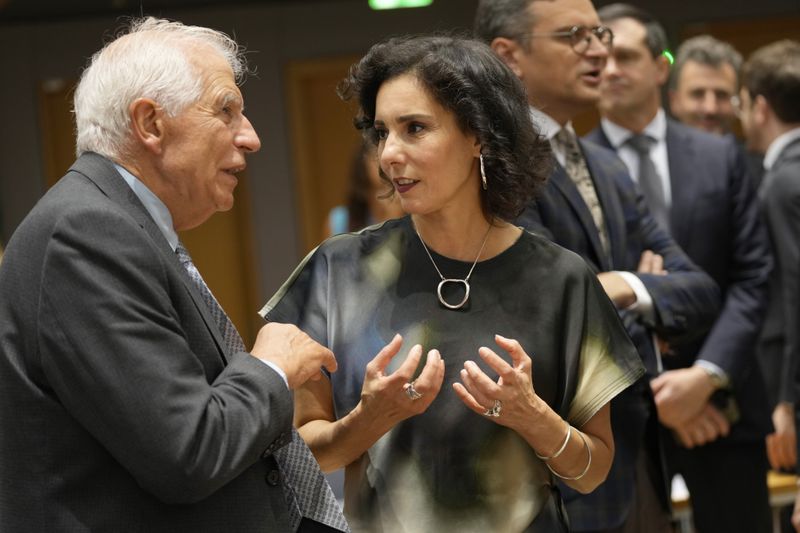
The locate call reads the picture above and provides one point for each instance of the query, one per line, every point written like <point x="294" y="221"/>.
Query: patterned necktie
<point x="576" y="169"/>
<point x="305" y="488"/>
<point x="649" y="180"/>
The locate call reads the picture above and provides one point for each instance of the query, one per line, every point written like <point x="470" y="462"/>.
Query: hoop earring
<point x="483" y="173"/>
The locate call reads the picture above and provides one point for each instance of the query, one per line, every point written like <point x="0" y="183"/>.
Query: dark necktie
<point x="305" y="488"/>
<point x="578" y="172"/>
<point x="649" y="181"/>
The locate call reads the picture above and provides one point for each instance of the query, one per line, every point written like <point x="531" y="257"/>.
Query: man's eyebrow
<point x="232" y="98"/>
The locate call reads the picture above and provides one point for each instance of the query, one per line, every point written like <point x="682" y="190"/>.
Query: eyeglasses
<point x="580" y="37"/>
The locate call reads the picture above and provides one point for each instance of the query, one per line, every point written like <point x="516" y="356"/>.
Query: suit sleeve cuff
<point x="277" y="369"/>
<point x="717" y="374"/>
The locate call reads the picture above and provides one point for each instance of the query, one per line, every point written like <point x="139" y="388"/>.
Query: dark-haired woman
<point x="519" y="329"/>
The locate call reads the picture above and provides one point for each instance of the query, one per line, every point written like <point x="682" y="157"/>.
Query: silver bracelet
<point x="561" y="449"/>
<point x="585" y="470"/>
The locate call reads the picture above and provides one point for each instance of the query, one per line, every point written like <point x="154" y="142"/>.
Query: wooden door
<point x="323" y="141"/>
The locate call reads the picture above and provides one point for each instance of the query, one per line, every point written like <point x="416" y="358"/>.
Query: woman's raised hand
<point x="390" y="398"/>
<point x="510" y="400"/>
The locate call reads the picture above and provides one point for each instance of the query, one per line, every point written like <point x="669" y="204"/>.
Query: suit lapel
<point x="612" y="211"/>
<point x="681" y="159"/>
<point x="565" y="185"/>
<point x="102" y="173"/>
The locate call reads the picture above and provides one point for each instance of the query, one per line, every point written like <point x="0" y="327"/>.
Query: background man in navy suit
<point x="771" y="121"/>
<point x="711" y="211"/>
<point x="558" y="49"/>
<point x="128" y="402"/>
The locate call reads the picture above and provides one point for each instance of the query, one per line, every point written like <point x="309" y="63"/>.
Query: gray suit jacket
<point x="119" y="408"/>
<point x="779" y="347"/>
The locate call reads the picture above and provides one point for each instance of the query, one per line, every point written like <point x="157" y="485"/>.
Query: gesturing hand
<point x="386" y="399"/>
<point x="514" y="388"/>
<point x="297" y="354"/>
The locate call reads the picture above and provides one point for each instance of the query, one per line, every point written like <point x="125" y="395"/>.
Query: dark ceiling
<point x="28" y="11"/>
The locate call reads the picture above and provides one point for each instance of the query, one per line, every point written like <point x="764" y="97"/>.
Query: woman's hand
<point x="390" y="398"/>
<point x="514" y="388"/>
<point x="385" y="401"/>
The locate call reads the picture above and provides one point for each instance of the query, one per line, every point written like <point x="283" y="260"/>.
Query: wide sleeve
<point x="116" y="351"/>
<point x="302" y="300"/>
<point x="607" y="361"/>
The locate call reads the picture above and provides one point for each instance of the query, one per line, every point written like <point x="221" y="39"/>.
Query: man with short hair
<point x="128" y="400"/>
<point x="704" y="84"/>
<point x="590" y="206"/>
<point x="771" y="121"/>
<point x="698" y="182"/>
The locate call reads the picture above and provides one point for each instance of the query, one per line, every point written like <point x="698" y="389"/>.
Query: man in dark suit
<point x="770" y="97"/>
<point x="699" y="183"/>
<point x="128" y="401"/>
<point x="591" y="206"/>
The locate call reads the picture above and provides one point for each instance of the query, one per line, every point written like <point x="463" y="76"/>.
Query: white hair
<point x="148" y="60"/>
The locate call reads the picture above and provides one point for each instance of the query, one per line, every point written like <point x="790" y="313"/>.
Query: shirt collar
<point x="617" y="135"/>
<point x="546" y="124"/>
<point x="153" y="204"/>
<point x="777" y="146"/>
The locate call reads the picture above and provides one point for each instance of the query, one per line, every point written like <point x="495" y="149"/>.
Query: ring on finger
<point x="495" y="410"/>
<point x="411" y="392"/>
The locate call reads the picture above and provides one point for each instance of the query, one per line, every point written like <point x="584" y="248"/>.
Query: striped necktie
<point x="306" y="490"/>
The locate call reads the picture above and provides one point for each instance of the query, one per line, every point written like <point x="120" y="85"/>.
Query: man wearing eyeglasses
<point x="558" y="48"/>
<point x="711" y="397"/>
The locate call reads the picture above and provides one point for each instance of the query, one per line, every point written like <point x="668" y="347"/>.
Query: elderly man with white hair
<point x="129" y="402"/>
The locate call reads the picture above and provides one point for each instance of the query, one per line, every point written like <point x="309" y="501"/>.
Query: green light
<point x="669" y="56"/>
<point x="398" y="4"/>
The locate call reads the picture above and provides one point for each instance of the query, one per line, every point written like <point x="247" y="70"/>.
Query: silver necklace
<point x="445" y="281"/>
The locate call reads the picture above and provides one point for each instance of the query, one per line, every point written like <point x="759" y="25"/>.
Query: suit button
<point x="273" y="477"/>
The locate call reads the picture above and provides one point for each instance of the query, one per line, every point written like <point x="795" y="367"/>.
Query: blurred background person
<point x="771" y="121"/>
<point x="369" y="199"/>
<point x="591" y="206"/>
<point x="454" y="137"/>
<point x="704" y="84"/>
<point x="711" y="395"/>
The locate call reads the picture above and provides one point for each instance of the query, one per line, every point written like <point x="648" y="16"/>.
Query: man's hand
<point x="706" y="427"/>
<point x="651" y="263"/>
<point x="297" y="354"/>
<point x="617" y="289"/>
<point x="681" y="394"/>
<point x="782" y="445"/>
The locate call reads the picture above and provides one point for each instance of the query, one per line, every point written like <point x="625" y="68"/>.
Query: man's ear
<point x="662" y="69"/>
<point x="761" y="111"/>
<point x="147" y="124"/>
<point x="508" y="50"/>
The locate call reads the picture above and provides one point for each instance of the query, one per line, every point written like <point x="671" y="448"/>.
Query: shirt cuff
<point x="277" y="369"/>
<point x="644" y="302"/>
<point x="722" y="376"/>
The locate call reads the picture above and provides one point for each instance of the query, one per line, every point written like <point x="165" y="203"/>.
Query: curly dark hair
<point x="465" y="77"/>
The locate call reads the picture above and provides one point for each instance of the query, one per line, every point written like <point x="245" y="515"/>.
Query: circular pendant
<point x="460" y="304"/>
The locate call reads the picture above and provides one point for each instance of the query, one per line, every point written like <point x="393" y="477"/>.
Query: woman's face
<point x="431" y="163"/>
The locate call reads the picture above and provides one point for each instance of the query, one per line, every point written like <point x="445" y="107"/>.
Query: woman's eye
<point x="380" y="134"/>
<point x="415" y="128"/>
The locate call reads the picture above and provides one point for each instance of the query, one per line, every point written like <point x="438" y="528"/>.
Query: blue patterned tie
<point x="306" y="490"/>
